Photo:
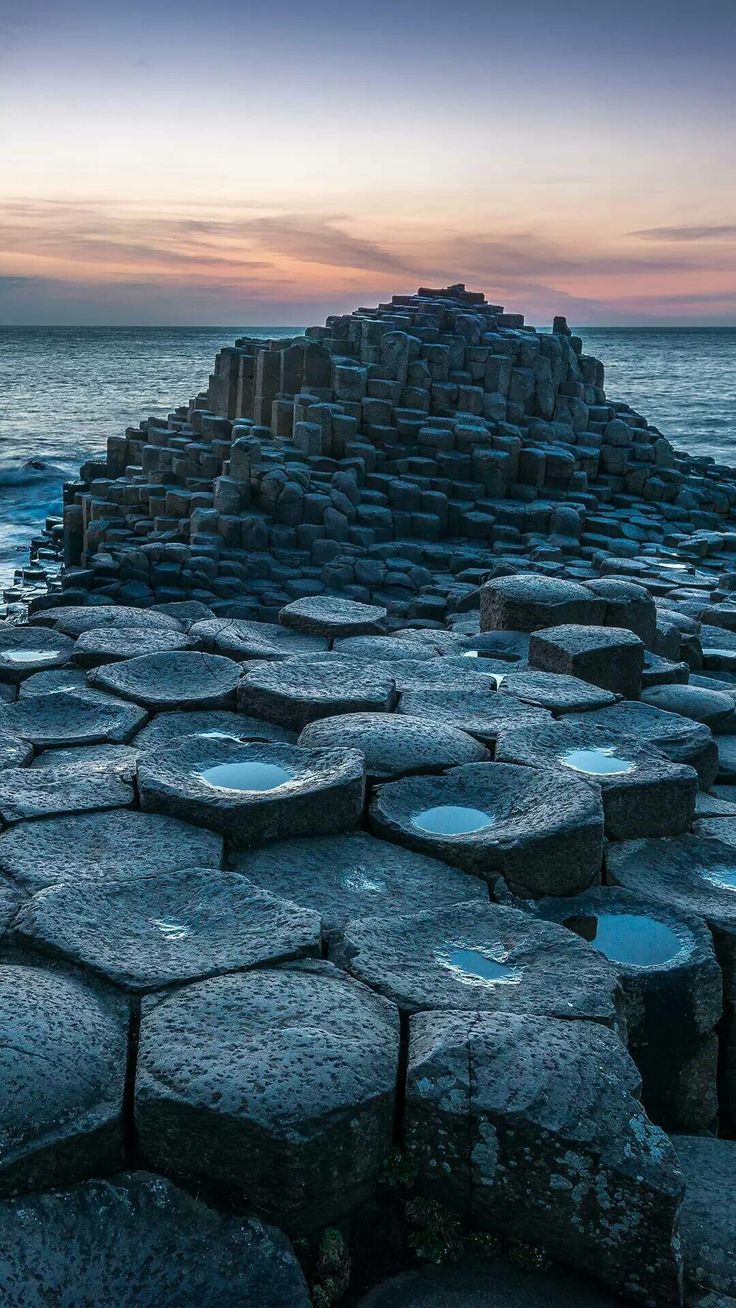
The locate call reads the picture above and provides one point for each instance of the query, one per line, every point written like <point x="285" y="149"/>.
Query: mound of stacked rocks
<point x="393" y="457"/>
<point x="323" y="921"/>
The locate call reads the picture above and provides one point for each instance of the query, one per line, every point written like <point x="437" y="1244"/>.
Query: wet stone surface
<point x="168" y="729"/>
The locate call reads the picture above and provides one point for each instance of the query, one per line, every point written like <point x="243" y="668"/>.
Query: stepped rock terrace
<point x="368" y="842"/>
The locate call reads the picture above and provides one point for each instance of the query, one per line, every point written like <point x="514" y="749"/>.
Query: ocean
<point x="64" y="390"/>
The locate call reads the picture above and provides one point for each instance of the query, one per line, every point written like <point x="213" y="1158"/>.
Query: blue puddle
<point x="474" y="965"/>
<point x="629" y="938"/>
<point x="452" y="820"/>
<point x="602" y="762"/>
<point x="250" y="775"/>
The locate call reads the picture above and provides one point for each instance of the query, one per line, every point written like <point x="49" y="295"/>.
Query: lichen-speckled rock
<point x="480" y="713"/>
<point x="301" y="691"/>
<point x="482" y="956"/>
<point x="708" y="1218"/>
<point x="681" y="739"/>
<point x="254" y="792"/>
<point x="240" y="639"/>
<point x="323" y="615"/>
<point x="26" y="650"/>
<point x="172" y="681"/>
<point x="644" y="793"/>
<point x="541" y="831"/>
<point x="395" y="744"/>
<point x="531" y="1126"/>
<point x="526" y="602"/>
<point x="104" y="847"/>
<point x="278" y="1082"/>
<point x="63" y="1050"/>
<point x="48" y="792"/>
<point x="100" y="645"/>
<point x="169" y="728"/>
<point x="155" y="931"/>
<point x="356" y="876"/>
<point x="673" y="996"/>
<point x="137" y="1241"/>
<point x="71" y="717"/>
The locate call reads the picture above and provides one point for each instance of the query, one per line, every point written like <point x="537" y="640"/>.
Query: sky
<point x="232" y="162"/>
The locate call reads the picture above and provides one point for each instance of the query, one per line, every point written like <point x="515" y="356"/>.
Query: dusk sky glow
<point x="234" y="163"/>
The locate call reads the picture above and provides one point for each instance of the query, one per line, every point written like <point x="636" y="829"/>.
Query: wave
<point x="31" y="472"/>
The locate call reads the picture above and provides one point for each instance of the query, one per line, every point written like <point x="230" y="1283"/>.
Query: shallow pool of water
<point x="27" y="657"/>
<point x="631" y="938"/>
<point x="602" y="762"/>
<point x="474" y="965"/>
<point x="452" y="820"/>
<point x="246" y="774"/>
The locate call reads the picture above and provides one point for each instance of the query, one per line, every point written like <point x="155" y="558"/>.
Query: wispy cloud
<point x="706" y="232"/>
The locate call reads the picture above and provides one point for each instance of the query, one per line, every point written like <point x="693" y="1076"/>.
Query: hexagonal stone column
<point x="485" y="957"/>
<point x="172" y="681"/>
<point x="167" y="729"/>
<point x="673" y="991"/>
<point x="555" y="691"/>
<point x="73" y="619"/>
<point x="528" y="601"/>
<point x="331" y="618"/>
<point x="682" y="740"/>
<point x="298" y="692"/>
<point x="394" y="744"/>
<point x="541" y="831"/>
<point x="152" y="1244"/>
<point x="100" y="645"/>
<point x="150" y="932"/>
<point x="279" y="1083"/>
<point x="643" y="793"/>
<point x="708" y="1219"/>
<point x="63" y="1052"/>
<point x="71" y="717"/>
<point x="26" y="650"/>
<point x="239" y="639"/>
<point x="43" y="792"/>
<point x="104" y="847"/>
<point x="481" y="713"/>
<point x="356" y="876"/>
<point x="610" y="657"/>
<point x="254" y="792"/>
<point x="530" y="1125"/>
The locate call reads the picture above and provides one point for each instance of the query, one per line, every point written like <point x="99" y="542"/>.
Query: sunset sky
<point x="232" y="162"/>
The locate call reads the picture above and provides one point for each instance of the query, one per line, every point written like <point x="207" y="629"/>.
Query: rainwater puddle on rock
<point x="603" y="762"/>
<point x="475" y="967"/>
<point x="247" y="774"/>
<point x="171" y="931"/>
<point x="630" y="938"/>
<point x="26" y="657"/>
<point x="672" y="567"/>
<point x="359" y="880"/>
<point x="452" y="820"/>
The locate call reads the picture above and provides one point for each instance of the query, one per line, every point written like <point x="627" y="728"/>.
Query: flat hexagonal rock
<point x="555" y="691"/>
<point x="120" y="760"/>
<point x="643" y="792"/>
<point x="485" y="957"/>
<point x="711" y="707"/>
<point x="541" y="831"/>
<point x="71" y="717"/>
<point x="298" y="692"/>
<point x="156" y="931"/>
<point x="63" y="1051"/>
<point x="42" y="683"/>
<point x="104" y="847"/>
<point x="681" y="739"/>
<point x="453" y="671"/>
<point x="479" y="713"/>
<point x="25" y="650"/>
<point x="673" y="995"/>
<point x="168" y="728"/>
<point x="241" y="639"/>
<point x="384" y="647"/>
<point x="101" y="645"/>
<point x="394" y="744"/>
<point x="72" y="620"/>
<point x="530" y="1126"/>
<point x="47" y="792"/>
<point x="528" y="601"/>
<point x="627" y="605"/>
<point x="354" y="875"/>
<point x="254" y="792"/>
<point x="278" y="1082"/>
<point x="610" y="657"/>
<point x="323" y="615"/>
<point x="708" y="1216"/>
<point x="172" y="681"/>
<point x="153" y="1245"/>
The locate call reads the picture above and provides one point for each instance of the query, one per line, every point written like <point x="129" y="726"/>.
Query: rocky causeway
<point x="368" y="842"/>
